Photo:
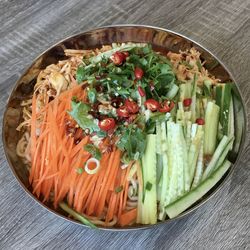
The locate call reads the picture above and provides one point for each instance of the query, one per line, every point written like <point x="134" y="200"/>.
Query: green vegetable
<point x="148" y="186"/>
<point x="219" y="155"/>
<point x="118" y="189"/>
<point x="79" y="113"/>
<point x="76" y="215"/>
<point x="224" y="101"/>
<point x="194" y="151"/>
<point x="147" y="199"/>
<point x="79" y="170"/>
<point x="133" y="141"/>
<point x="93" y="150"/>
<point x="92" y="95"/>
<point x="163" y="144"/>
<point x="193" y="196"/>
<point x="211" y="127"/>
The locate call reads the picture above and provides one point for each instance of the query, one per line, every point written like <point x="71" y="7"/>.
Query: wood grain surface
<point x="29" y="27"/>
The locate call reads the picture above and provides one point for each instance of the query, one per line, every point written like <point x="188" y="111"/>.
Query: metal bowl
<point x="161" y="40"/>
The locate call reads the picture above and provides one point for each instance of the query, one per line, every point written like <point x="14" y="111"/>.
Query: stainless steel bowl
<point x="161" y="40"/>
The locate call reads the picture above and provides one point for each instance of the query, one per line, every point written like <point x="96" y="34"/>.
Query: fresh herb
<point x="148" y="186"/>
<point x="79" y="170"/>
<point x="79" y="113"/>
<point x="118" y="189"/>
<point x="93" y="150"/>
<point x="133" y="141"/>
<point x="92" y="95"/>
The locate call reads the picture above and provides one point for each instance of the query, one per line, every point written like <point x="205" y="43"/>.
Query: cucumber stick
<point x="211" y="128"/>
<point x="179" y="180"/>
<point x="148" y="201"/>
<point x="190" y="198"/>
<point x="172" y="92"/>
<point x="199" y="167"/>
<point x="224" y="101"/>
<point x="185" y="91"/>
<point x="239" y="122"/>
<point x="194" y="151"/>
<point x="165" y="172"/>
<point x="219" y="155"/>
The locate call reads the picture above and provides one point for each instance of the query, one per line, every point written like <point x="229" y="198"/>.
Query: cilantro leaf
<point x="92" y="95"/>
<point x="133" y="141"/>
<point x="79" y="113"/>
<point x="93" y="150"/>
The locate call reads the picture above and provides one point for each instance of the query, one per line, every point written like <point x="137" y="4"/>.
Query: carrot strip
<point x="111" y="208"/>
<point x="99" y="181"/>
<point x="113" y="166"/>
<point x="128" y="217"/>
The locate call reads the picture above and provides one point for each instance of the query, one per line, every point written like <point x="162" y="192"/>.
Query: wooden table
<point x="29" y="27"/>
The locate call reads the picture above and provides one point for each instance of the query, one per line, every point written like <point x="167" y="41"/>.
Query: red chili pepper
<point x="107" y="124"/>
<point x="152" y="104"/>
<point x="187" y="102"/>
<point x="138" y="73"/>
<point x="118" y="58"/>
<point x="141" y="91"/>
<point x="122" y="111"/>
<point x="131" y="106"/>
<point x="166" y="106"/>
<point x="126" y="54"/>
<point x="200" y="121"/>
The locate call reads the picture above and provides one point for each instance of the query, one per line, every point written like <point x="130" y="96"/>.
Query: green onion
<point x="76" y="215"/>
<point x="148" y="186"/>
<point x="118" y="189"/>
<point x="79" y="170"/>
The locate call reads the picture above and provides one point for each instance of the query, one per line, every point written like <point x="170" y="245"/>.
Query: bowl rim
<point x="140" y="227"/>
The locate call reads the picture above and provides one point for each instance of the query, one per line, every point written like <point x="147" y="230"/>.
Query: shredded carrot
<point x="128" y="217"/>
<point x="56" y="160"/>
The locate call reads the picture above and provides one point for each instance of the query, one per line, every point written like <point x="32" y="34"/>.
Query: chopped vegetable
<point x="94" y="151"/>
<point x="107" y="124"/>
<point x="129" y="135"/>
<point x="152" y="105"/>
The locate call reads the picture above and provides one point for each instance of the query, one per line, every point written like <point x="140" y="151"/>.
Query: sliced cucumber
<point x="185" y="91"/>
<point x="194" y="151"/>
<point x="148" y="204"/>
<point x="224" y="101"/>
<point x="211" y="128"/>
<point x="165" y="172"/>
<point x="199" y="167"/>
<point x="238" y="122"/>
<point x="219" y="155"/>
<point x="190" y="198"/>
<point x="172" y="92"/>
